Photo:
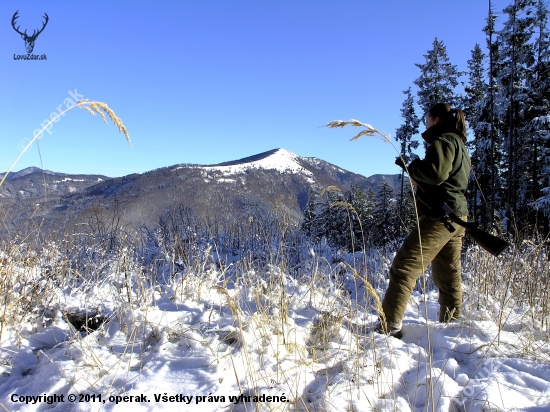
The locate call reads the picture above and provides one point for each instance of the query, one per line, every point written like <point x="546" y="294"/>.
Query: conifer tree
<point x="476" y="116"/>
<point x="487" y="121"/>
<point x="516" y="59"/>
<point x="540" y="125"/>
<point x="335" y="222"/>
<point x="384" y="230"/>
<point x="405" y="136"/>
<point x="476" y="88"/>
<point x="368" y="214"/>
<point x="308" y="224"/>
<point x="347" y="218"/>
<point x="437" y="80"/>
<point x="359" y="215"/>
<point x="407" y="216"/>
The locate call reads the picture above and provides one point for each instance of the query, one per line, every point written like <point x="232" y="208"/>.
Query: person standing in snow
<point x="443" y="174"/>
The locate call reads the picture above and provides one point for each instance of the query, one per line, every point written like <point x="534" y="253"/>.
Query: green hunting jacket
<point x="444" y="171"/>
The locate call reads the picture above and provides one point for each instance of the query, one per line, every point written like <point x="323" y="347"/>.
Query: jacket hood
<point x="437" y="130"/>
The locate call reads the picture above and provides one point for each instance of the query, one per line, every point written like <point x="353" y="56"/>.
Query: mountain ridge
<point x="26" y="171"/>
<point x="224" y="190"/>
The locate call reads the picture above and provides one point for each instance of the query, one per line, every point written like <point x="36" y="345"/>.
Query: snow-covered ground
<point x="266" y="341"/>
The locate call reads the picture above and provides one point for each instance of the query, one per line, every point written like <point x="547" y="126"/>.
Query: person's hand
<point x="399" y="162"/>
<point x="413" y="183"/>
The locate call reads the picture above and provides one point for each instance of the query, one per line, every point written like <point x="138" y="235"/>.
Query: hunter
<point x="443" y="173"/>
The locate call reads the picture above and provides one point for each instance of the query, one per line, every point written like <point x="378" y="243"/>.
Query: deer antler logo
<point x="29" y="40"/>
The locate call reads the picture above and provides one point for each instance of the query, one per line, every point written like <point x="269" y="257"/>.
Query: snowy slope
<point x="201" y="343"/>
<point x="280" y="160"/>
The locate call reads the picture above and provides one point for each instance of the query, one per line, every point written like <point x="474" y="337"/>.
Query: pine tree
<point x="345" y="219"/>
<point x="310" y="215"/>
<point x="542" y="203"/>
<point x="516" y="59"/>
<point x="336" y="222"/>
<point x="476" y="88"/>
<point x="438" y="78"/>
<point x="540" y="125"/>
<point x="368" y="215"/>
<point x="488" y="123"/>
<point x="385" y="230"/>
<point x="342" y="219"/>
<point x="476" y="115"/>
<point x="359" y="216"/>
<point x="407" y="216"/>
<point x="404" y="135"/>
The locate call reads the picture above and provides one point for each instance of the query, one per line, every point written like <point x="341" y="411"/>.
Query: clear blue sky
<point x="207" y="81"/>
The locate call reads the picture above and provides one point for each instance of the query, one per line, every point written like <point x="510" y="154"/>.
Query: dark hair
<point x="450" y="117"/>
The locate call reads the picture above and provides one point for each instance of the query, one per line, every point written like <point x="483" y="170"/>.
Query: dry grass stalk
<point x="100" y="107"/>
<point x="372" y="132"/>
<point x="93" y="107"/>
<point x="370" y="289"/>
<point x="369" y="130"/>
<point x="329" y="189"/>
<point x="344" y="205"/>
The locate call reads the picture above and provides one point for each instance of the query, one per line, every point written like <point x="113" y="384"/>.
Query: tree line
<point x="507" y="104"/>
<point x="354" y="220"/>
<point x="506" y="101"/>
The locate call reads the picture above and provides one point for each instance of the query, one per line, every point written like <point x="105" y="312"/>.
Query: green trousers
<point x="442" y="249"/>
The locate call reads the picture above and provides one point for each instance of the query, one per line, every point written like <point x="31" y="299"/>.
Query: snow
<point x="201" y="340"/>
<point x="68" y="179"/>
<point x="281" y="160"/>
<point x="316" y="162"/>
<point x="543" y="120"/>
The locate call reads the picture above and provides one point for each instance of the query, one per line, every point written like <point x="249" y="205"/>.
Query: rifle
<point x="492" y="244"/>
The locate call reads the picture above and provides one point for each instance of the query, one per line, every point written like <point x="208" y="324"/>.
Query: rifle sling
<point x="450" y="214"/>
<point x="455" y="219"/>
<point x="448" y="211"/>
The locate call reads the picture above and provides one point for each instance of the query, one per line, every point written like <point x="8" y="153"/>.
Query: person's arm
<point x="436" y="166"/>
<point x="399" y="162"/>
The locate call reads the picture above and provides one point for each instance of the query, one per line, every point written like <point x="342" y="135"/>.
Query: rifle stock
<point x="492" y="244"/>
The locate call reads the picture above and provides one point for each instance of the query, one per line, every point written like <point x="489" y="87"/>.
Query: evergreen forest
<point x="505" y="95"/>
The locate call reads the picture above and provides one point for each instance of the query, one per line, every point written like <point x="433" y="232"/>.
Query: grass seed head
<point x="100" y="108"/>
<point x="330" y="188"/>
<point x="369" y="130"/>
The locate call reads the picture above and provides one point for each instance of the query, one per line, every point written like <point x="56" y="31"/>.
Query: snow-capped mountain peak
<point x="278" y="159"/>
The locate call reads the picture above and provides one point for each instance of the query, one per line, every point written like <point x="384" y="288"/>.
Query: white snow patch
<point x="282" y="160"/>
<point x="68" y="179"/>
